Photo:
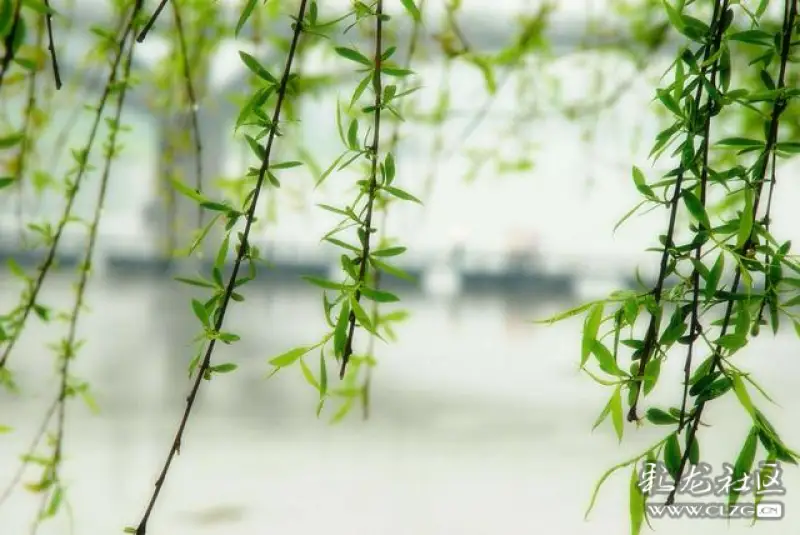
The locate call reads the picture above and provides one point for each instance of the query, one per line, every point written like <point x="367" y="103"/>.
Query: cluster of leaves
<point x="360" y="262"/>
<point x="725" y="259"/>
<point x="726" y="275"/>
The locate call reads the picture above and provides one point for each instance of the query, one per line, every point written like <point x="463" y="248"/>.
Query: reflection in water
<point x="480" y="423"/>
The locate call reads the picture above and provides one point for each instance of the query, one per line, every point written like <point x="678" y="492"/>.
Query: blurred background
<point x="480" y="421"/>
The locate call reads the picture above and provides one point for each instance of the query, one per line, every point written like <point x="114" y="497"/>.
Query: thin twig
<point x="27" y="141"/>
<point x="82" y="284"/>
<point x="655" y="319"/>
<point x="373" y="181"/>
<point x="190" y="93"/>
<point x="393" y="144"/>
<point x="31" y="449"/>
<point x="242" y="251"/>
<point x="51" y="45"/>
<point x="152" y="21"/>
<point x="45" y="266"/>
<point x="695" y="328"/>
<point x="790" y="14"/>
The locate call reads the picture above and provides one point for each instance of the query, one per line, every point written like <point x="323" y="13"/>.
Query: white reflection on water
<point x="480" y="424"/>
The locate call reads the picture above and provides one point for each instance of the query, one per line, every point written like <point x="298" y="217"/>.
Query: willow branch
<point x="240" y="255"/>
<point x="190" y="93"/>
<point x="790" y="15"/>
<point x="651" y="336"/>
<point x="373" y="181"/>
<point x="51" y="44"/>
<point x="152" y="21"/>
<point x="393" y="143"/>
<point x="45" y="266"/>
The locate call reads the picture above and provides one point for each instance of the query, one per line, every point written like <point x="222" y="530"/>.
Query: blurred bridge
<point x="451" y="270"/>
<point x="135" y="249"/>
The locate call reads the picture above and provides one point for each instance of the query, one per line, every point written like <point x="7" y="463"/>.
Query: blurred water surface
<point x="480" y="423"/>
<point x="480" y="420"/>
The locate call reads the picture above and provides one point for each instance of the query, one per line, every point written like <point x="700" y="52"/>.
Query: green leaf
<point x="11" y="140"/>
<point x="714" y="390"/>
<point x="670" y="103"/>
<point x="6" y="17"/>
<point x="309" y="375"/>
<point x="641" y="183"/>
<point x="591" y="327"/>
<point x="340" y="332"/>
<point x="672" y="455"/>
<point x="6" y="181"/>
<point x="605" y="359"/>
<point x="256" y="147"/>
<point x="744" y="462"/>
<point x="740" y="142"/>
<point x="714" y="276"/>
<point x="224" y="368"/>
<point x="352" y="135"/>
<point x="389" y="251"/>
<point x="790" y="147"/>
<point x="285" y="165"/>
<point x="396" y="71"/>
<point x="185" y="190"/>
<point x="412" y="9"/>
<point x="391" y="270"/>
<point x="746" y="219"/>
<point x="400" y="194"/>
<point x="755" y="37"/>
<point x="256" y="68"/>
<point x="616" y="411"/>
<point x="389" y="168"/>
<point x="201" y="312"/>
<point x="325" y="284"/>
<point x="628" y="215"/>
<point x="602" y="480"/>
<point x="360" y="88"/>
<point x="246" y="12"/>
<point x="343" y="245"/>
<point x="651" y="374"/>
<point x="195" y="282"/>
<point x="742" y="395"/>
<point x="353" y="55"/>
<point x="674" y="16"/>
<point x="696" y="208"/>
<point x="361" y="315"/>
<point x="379" y="296"/>
<point x="660" y="417"/>
<point x="290" y="356"/>
<point x="635" y="502"/>
<point x="606" y="410"/>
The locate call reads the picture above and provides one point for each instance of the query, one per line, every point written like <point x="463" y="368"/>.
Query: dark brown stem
<point x="790" y="14"/>
<point x="152" y="21"/>
<point x="64" y="371"/>
<point x="45" y="266"/>
<point x="30" y="451"/>
<point x="240" y="255"/>
<point x="651" y="336"/>
<point x="190" y="93"/>
<point x="51" y="45"/>
<point x="395" y="141"/>
<point x="373" y="182"/>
